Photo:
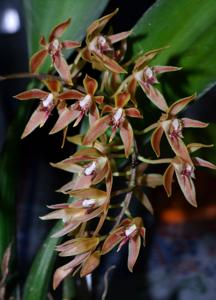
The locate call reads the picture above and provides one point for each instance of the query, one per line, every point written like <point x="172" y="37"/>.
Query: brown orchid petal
<point x="196" y="146"/>
<point x="176" y="143"/>
<point x="144" y="59"/>
<point x="112" y="240"/>
<point x="32" y="94"/>
<point x="88" y="193"/>
<point x="71" y="94"/>
<point x="77" y="246"/>
<point x="179" y="105"/>
<point x="37" y="59"/>
<point x="133" y="113"/>
<point x="66" y="229"/>
<point x="53" y="85"/>
<point x="65" y="270"/>
<point x="86" y="154"/>
<point x="68" y="165"/>
<point x="164" y="69"/>
<point x="203" y="163"/>
<point x="91" y="215"/>
<point x="126" y="133"/>
<point x="65" y="118"/>
<point x="143" y="198"/>
<point x="109" y="63"/>
<point x="99" y="99"/>
<point x="59" y="206"/>
<point x="132" y="86"/>
<point x="154" y="95"/>
<point x="62" y="68"/>
<point x="187" y="186"/>
<point x="133" y="251"/>
<point x="79" y="119"/>
<point x="97" y="129"/>
<point x="91" y="263"/>
<point x="54" y="215"/>
<point x="66" y="187"/>
<point x="94" y="114"/>
<point x="122" y="99"/>
<point x="86" y="54"/>
<point x="59" y="30"/>
<point x="107" y="109"/>
<point x="38" y="118"/>
<point x="168" y="179"/>
<point x="193" y="123"/>
<point x="156" y="140"/>
<point x="90" y="85"/>
<point x="97" y="26"/>
<point x="101" y="172"/>
<point x="70" y="44"/>
<point x="114" y="38"/>
<point x="82" y="181"/>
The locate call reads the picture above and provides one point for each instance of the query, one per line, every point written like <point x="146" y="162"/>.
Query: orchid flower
<point x="128" y="231"/>
<point x="146" y="77"/>
<point x="88" y="204"/>
<point x="172" y="127"/>
<point x="99" y="50"/>
<point x="85" y="258"/>
<point x="185" y="173"/>
<point x="48" y="101"/>
<point x="115" y="119"/>
<point x="54" y="48"/>
<point x="89" y="164"/>
<point x="86" y="104"/>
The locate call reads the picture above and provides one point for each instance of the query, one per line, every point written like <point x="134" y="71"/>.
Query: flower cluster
<point x="107" y="107"/>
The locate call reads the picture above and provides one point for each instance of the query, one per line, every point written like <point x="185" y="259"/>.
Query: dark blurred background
<point x="179" y="261"/>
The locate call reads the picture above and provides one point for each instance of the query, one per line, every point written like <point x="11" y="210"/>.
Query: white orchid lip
<point x="48" y="100"/>
<point x="85" y="101"/>
<point x="102" y="41"/>
<point x="86" y="203"/>
<point x="148" y="72"/>
<point x="90" y="169"/>
<point x="56" y="44"/>
<point x="130" y="230"/>
<point x="118" y="115"/>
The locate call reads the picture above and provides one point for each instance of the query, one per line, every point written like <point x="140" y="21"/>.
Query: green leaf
<point x="38" y="281"/>
<point x="188" y="27"/>
<point x="9" y="165"/>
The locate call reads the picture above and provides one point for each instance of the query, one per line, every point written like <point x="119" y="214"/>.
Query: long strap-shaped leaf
<point x="9" y="164"/>
<point x="38" y="281"/>
<point x="187" y="26"/>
